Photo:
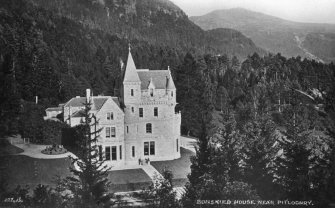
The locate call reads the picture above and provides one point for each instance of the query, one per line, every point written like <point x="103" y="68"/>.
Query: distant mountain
<point x="275" y="34"/>
<point x="157" y="22"/>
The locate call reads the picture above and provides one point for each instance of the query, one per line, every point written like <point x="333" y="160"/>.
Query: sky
<point x="318" y="11"/>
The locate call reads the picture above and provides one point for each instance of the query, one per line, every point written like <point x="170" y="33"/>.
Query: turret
<point x="170" y="87"/>
<point x="131" y="83"/>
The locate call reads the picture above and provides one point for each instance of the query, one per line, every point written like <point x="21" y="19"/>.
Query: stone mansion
<point x="141" y="124"/>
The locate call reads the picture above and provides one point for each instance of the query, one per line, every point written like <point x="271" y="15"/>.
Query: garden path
<point x="34" y="150"/>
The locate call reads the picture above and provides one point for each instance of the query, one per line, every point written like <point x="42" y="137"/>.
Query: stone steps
<point x="151" y="171"/>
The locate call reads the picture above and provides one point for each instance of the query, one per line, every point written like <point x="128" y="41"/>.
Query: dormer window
<point x="151" y="92"/>
<point x="151" y="88"/>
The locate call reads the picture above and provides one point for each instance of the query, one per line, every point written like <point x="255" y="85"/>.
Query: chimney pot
<point x="88" y="95"/>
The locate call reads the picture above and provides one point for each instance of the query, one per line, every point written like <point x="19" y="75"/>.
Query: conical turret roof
<point x="131" y="73"/>
<point x="151" y="84"/>
<point x="169" y="82"/>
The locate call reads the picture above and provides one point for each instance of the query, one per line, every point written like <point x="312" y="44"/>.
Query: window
<point x="148" y="127"/>
<point x="113" y="133"/>
<point x="152" y="148"/>
<point x="177" y="145"/>
<point x="146" y="148"/>
<point x="133" y="151"/>
<point x="108" y="153"/>
<point x="113" y="152"/>
<point x="120" y="152"/>
<point x="132" y="92"/>
<point x="149" y="148"/>
<point x="141" y="112"/>
<point x="132" y="109"/>
<point x="108" y="132"/>
<point x="100" y="153"/>
<point x="127" y="129"/>
<point x="156" y="111"/>
<point x="110" y="116"/>
<point x="171" y="93"/>
<point x="151" y="92"/>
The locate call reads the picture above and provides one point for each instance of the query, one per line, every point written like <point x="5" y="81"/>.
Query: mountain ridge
<point x="158" y="22"/>
<point x="272" y="33"/>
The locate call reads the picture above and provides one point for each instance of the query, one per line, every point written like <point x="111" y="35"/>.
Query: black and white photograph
<point x="167" y="103"/>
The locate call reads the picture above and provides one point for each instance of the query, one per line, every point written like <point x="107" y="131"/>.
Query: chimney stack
<point x="88" y="95"/>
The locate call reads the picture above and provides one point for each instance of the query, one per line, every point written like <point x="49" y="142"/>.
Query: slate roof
<point x="54" y="109"/>
<point x="78" y="114"/>
<point x="130" y="73"/>
<point x="116" y="100"/>
<point x="159" y="79"/>
<point x="170" y="84"/>
<point x="98" y="102"/>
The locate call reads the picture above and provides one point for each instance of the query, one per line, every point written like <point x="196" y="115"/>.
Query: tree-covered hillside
<point x="158" y="22"/>
<point x="56" y="49"/>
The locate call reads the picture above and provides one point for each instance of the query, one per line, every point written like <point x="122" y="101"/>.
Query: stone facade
<point x="142" y="124"/>
<point x="152" y="128"/>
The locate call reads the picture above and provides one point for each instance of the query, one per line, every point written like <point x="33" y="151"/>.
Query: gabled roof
<point x="97" y="102"/>
<point x="116" y="100"/>
<point x="159" y="78"/>
<point x="130" y="73"/>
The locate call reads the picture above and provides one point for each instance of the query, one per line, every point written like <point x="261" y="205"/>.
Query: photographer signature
<point x="12" y="200"/>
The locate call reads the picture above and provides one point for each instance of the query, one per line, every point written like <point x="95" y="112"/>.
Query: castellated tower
<point x="146" y="126"/>
<point x="152" y="128"/>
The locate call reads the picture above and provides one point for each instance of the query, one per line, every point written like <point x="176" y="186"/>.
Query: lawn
<point x="7" y="148"/>
<point x="24" y="170"/>
<point x="128" y="180"/>
<point x="179" y="167"/>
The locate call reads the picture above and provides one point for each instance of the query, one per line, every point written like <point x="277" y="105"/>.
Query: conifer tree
<point x="293" y="165"/>
<point x="89" y="183"/>
<point x="199" y="167"/>
<point x="214" y="172"/>
<point x="9" y="96"/>
<point x="161" y="194"/>
<point x="259" y="154"/>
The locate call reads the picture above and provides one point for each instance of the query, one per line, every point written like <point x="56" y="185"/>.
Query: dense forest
<point x="265" y="123"/>
<point x="55" y="50"/>
<point x="265" y="127"/>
